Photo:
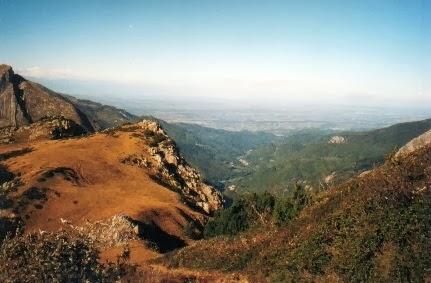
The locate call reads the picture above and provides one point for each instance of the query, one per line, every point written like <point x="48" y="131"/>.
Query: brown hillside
<point x="130" y="180"/>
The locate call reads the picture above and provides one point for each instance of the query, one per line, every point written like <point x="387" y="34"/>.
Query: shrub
<point x="230" y="221"/>
<point x="57" y="257"/>
<point x="254" y="210"/>
<point x="284" y="211"/>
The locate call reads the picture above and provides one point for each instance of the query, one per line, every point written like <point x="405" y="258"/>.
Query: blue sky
<point x="283" y="51"/>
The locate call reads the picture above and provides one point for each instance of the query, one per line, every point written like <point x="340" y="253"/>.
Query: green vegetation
<point x="276" y="164"/>
<point x="214" y="152"/>
<point x="371" y="228"/>
<point x="310" y="158"/>
<point x="256" y="210"/>
<point x="153" y="138"/>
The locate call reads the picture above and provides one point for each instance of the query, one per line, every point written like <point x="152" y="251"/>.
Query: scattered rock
<point x="330" y="178"/>
<point x="337" y="140"/>
<point x="118" y="230"/>
<point x="170" y="168"/>
<point x="365" y="173"/>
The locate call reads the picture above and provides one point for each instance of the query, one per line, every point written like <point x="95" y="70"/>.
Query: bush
<point x="300" y="198"/>
<point x="230" y="221"/>
<point x="284" y="211"/>
<point x="57" y="257"/>
<point x="254" y="210"/>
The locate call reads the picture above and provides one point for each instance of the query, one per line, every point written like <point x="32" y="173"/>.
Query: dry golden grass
<point x="103" y="186"/>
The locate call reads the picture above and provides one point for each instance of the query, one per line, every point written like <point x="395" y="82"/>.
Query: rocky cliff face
<point x="23" y="102"/>
<point x="168" y="167"/>
<point x="416" y="143"/>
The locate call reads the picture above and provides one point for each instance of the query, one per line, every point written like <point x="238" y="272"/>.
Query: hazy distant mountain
<point x="240" y="160"/>
<point x="102" y="116"/>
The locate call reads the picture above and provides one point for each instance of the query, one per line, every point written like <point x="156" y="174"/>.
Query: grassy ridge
<point x="372" y="228"/>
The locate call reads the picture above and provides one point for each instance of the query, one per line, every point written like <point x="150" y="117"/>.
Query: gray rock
<point x="415" y="144"/>
<point x="23" y="102"/>
<point x="172" y="169"/>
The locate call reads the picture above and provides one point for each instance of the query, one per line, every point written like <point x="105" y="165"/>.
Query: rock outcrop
<point x="337" y="140"/>
<point x="118" y="230"/>
<point x="416" y="143"/>
<point x="167" y="166"/>
<point x="46" y="128"/>
<point x="23" y="102"/>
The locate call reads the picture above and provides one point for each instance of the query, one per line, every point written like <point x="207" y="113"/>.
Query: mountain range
<point x="90" y="192"/>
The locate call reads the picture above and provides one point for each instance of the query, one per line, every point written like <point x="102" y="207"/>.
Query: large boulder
<point x="416" y="143"/>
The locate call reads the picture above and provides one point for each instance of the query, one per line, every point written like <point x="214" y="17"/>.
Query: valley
<point x="80" y="176"/>
<point x="215" y="141"/>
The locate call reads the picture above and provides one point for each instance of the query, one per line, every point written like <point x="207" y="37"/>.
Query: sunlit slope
<point x="374" y="227"/>
<point x="129" y="171"/>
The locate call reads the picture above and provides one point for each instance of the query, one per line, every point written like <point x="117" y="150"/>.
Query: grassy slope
<point x="273" y="167"/>
<point x="374" y="227"/>
<point x="98" y="186"/>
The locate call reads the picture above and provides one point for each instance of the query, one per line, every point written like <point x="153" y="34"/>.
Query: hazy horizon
<point x="367" y="53"/>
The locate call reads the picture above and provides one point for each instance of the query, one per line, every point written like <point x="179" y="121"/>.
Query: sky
<point x="365" y="52"/>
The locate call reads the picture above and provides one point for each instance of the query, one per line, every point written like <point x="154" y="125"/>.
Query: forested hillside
<point x="322" y="160"/>
<point x="215" y="152"/>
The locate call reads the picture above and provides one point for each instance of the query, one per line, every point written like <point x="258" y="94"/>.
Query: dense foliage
<point x="276" y="164"/>
<point x="256" y="210"/>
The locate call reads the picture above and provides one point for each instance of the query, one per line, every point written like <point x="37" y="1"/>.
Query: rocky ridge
<point x="168" y="167"/>
<point x="118" y="230"/>
<point x="23" y="102"/>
